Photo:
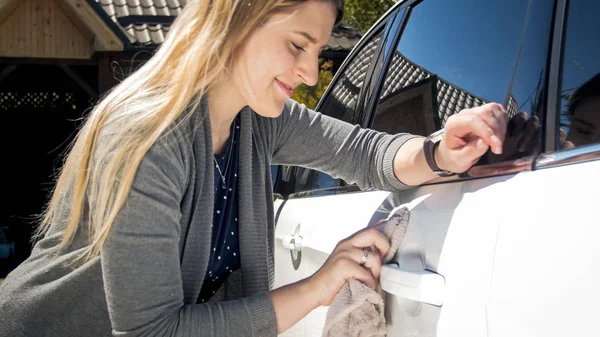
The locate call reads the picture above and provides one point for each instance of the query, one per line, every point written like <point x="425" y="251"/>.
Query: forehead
<point x="315" y="17"/>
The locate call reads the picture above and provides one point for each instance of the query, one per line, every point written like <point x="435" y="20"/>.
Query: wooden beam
<point x="42" y="29"/>
<point x="9" y="69"/>
<point x="7" y="7"/>
<point x="105" y="38"/>
<point x="76" y="20"/>
<point x="79" y="80"/>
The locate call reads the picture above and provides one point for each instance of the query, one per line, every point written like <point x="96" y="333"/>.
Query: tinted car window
<point x="342" y="99"/>
<point x="341" y="103"/>
<point x="580" y="88"/>
<point x="454" y="55"/>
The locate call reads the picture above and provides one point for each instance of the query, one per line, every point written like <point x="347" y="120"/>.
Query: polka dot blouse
<point x="225" y="252"/>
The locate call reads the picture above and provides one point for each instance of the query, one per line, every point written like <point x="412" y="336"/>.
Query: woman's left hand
<point x="469" y="134"/>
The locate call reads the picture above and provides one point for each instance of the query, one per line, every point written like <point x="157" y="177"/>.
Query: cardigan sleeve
<point x="310" y="139"/>
<point x="141" y="264"/>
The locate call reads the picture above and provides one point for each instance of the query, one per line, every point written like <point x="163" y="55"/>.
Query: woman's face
<point x="282" y="54"/>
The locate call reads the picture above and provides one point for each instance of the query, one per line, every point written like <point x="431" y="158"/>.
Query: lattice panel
<point x="40" y="100"/>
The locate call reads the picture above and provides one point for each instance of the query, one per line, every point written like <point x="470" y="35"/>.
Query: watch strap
<point x="430" y="145"/>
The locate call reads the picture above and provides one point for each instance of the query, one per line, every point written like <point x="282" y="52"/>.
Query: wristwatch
<point x="429" y="146"/>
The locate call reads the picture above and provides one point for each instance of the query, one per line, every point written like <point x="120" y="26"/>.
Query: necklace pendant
<point x="223" y="184"/>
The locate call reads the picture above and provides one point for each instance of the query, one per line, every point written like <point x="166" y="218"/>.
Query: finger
<point x="531" y="129"/>
<point x="355" y="271"/>
<point x="516" y="124"/>
<point x="536" y="142"/>
<point x="562" y="134"/>
<point x="373" y="262"/>
<point x="564" y="143"/>
<point x="501" y="118"/>
<point x="497" y="124"/>
<point x="472" y="151"/>
<point x="567" y="145"/>
<point x="371" y="237"/>
<point x="477" y="126"/>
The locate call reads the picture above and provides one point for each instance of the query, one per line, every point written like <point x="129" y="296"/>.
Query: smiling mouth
<point x="285" y="88"/>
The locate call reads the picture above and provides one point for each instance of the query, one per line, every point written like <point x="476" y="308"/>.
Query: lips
<point x="287" y="90"/>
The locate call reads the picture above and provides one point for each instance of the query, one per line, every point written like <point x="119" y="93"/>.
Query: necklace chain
<point x="223" y="182"/>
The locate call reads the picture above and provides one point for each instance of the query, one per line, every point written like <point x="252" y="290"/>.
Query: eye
<point x="585" y="132"/>
<point x="297" y="47"/>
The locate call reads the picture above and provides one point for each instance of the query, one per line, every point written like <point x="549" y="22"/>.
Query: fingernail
<point x="496" y="140"/>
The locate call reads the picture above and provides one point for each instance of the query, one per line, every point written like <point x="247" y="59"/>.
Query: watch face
<point x="444" y="173"/>
<point x="437" y="136"/>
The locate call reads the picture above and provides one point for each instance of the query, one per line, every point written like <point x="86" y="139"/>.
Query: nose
<point x="307" y="69"/>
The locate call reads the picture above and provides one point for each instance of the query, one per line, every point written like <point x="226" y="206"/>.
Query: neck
<point x="224" y="103"/>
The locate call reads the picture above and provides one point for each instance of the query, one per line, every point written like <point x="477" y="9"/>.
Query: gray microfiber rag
<point x="357" y="310"/>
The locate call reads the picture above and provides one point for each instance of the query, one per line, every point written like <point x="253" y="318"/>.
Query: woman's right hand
<point x="344" y="264"/>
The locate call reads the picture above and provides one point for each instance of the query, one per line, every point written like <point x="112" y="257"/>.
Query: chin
<point x="270" y="111"/>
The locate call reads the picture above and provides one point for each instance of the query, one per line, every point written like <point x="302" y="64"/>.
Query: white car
<point x="511" y="247"/>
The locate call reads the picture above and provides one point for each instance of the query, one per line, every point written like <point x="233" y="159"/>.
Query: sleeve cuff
<point x="388" y="162"/>
<point x="262" y="315"/>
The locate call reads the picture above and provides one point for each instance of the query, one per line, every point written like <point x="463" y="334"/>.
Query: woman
<point x="161" y="223"/>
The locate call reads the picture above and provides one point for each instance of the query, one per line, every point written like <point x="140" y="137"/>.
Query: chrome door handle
<point x="417" y="285"/>
<point x="292" y="242"/>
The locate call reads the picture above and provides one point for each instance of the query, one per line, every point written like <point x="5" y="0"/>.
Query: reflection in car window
<point x="580" y="88"/>
<point x="343" y="97"/>
<point x="341" y="103"/>
<point x="457" y="55"/>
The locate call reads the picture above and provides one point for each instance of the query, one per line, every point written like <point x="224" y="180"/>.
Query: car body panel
<point x="547" y="265"/>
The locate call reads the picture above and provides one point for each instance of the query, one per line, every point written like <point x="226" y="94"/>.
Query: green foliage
<point x="310" y="96"/>
<point x="362" y="14"/>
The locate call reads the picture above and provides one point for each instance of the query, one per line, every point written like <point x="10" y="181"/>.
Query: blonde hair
<point x="199" y="47"/>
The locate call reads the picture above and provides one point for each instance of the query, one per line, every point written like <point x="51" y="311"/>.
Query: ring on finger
<point x="364" y="257"/>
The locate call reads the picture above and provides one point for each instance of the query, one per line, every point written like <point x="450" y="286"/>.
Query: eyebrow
<point x="309" y="37"/>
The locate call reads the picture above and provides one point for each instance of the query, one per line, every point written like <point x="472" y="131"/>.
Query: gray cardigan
<point x="148" y="276"/>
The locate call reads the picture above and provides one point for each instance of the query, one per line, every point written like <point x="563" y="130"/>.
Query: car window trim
<point x="399" y="22"/>
<point x="384" y="21"/>
<point x="362" y="102"/>
<point x="353" y="188"/>
<point x="555" y="67"/>
<point x="576" y="155"/>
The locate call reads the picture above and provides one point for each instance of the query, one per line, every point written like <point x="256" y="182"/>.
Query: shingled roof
<point x="147" y="22"/>
<point x="451" y="98"/>
<point x="401" y="73"/>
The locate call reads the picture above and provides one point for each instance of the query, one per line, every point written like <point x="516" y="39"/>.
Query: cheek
<point x="277" y="60"/>
<point x="285" y="61"/>
<point x="259" y="67"/>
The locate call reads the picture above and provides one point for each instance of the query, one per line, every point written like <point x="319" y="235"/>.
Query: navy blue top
<point x="225" y="251"/>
